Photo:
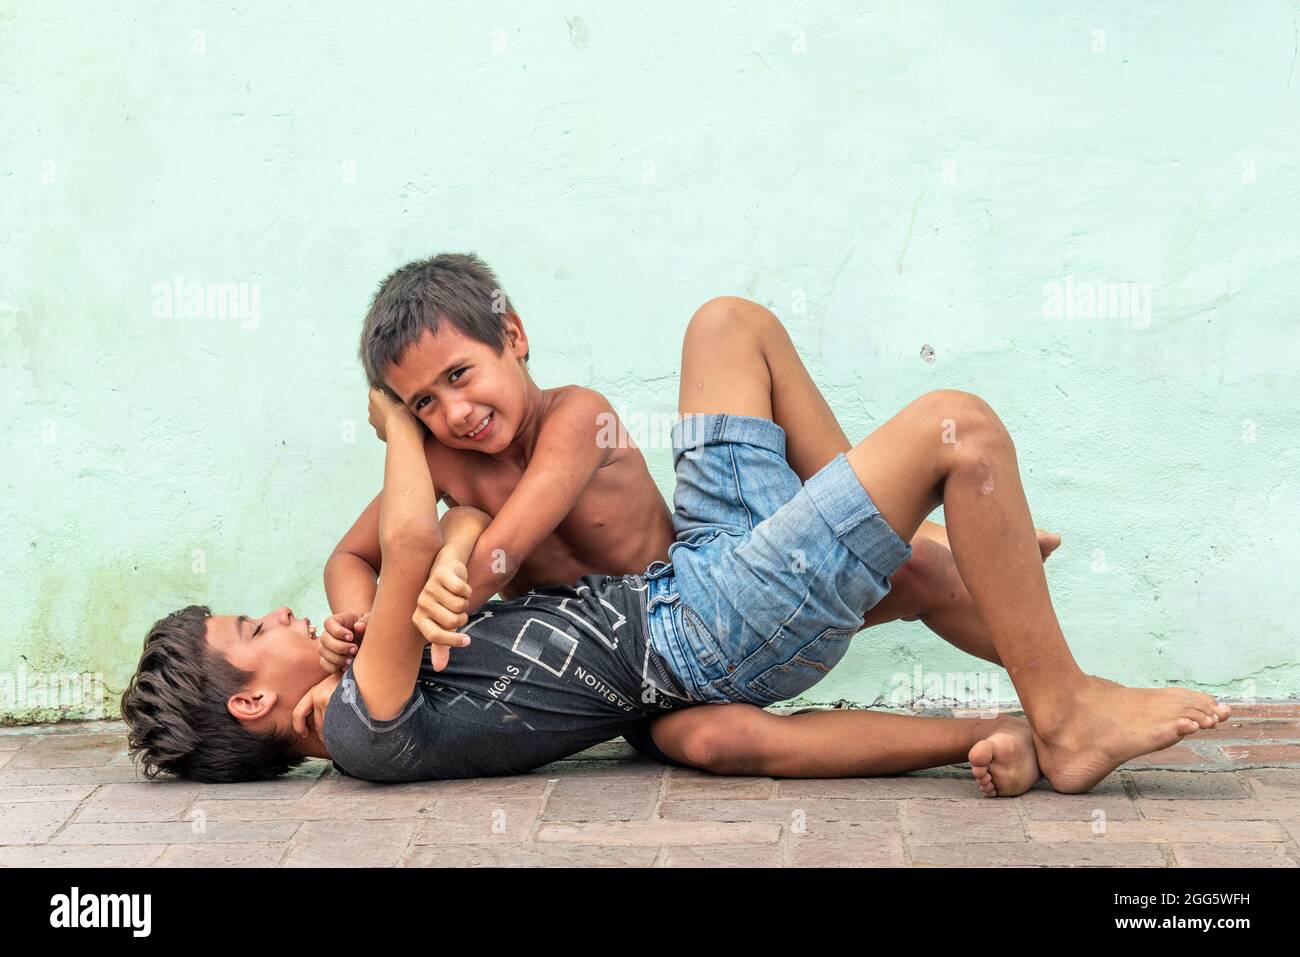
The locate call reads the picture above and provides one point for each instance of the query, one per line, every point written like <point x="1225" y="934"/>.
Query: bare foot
<point x="1212" y="714"/>
<point x="1108" y="724"/>
<point x="1005" y="763"/>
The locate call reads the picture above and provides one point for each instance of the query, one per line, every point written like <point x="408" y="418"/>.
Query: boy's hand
<point x="337" y="648"/>
<point x="441" y="610"/>
<point x="383" y="408"/>
<point x="312" y="705"/>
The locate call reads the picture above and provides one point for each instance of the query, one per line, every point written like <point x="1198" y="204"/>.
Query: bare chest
<point x="618" y="525"/>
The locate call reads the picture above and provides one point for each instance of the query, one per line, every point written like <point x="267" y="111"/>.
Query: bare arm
<point x="353" y="566"/>
<point x="409" y="537"/>
<point x="444" y="604"/>
<point x="461" y="528"/>
<point x="564" y="461"/>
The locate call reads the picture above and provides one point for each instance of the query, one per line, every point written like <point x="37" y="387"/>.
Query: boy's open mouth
<point x="483" y="428"/>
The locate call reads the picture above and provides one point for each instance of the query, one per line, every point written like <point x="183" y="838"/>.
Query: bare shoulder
<point x="581" y="398"/>
<point x="582" y="409"/>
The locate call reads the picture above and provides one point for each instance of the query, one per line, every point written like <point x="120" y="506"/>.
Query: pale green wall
<point x="618" y="167"/>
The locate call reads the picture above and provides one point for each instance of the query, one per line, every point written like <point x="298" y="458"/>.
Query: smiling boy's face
<point x="453" y="384"/>
<point x="281" y="652"/>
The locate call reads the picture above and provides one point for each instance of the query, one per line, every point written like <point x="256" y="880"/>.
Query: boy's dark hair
<point x="457" y="287"/>
<point x="175" y="709"/>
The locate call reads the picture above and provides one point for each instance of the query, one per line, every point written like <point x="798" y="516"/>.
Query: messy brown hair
<point x="176" y="715"/>
<point x="458" y="288"/>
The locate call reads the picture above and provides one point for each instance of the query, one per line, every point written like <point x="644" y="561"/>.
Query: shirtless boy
<point x="442" y="338"/>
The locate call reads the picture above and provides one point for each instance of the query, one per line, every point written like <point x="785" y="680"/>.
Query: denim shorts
<point x="769" y="579"/>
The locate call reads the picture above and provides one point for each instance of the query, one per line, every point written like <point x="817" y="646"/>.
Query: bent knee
<point x="724" y="316"/>
<point x="955" y="403"/>
<point x="963" y="420"/>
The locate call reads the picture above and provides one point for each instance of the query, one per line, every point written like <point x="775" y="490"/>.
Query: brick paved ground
<point x="1227" y="797"/>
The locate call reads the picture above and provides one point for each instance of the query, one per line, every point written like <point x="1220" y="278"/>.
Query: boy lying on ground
<point x="768" y="582"/>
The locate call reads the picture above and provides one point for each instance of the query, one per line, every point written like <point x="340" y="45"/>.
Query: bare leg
<point x="738" y="358"/>
<point x="744" y="739"/>
<point x="928" y="588"/>
<point x="950" y="448"/>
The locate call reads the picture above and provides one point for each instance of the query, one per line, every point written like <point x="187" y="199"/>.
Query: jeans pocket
<point x="703" y="646"/>
<point x="809" y="665"/>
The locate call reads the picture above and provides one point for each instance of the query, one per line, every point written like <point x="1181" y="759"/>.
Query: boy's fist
<point x="442" y="609"/>
<point x="338" y="645"/>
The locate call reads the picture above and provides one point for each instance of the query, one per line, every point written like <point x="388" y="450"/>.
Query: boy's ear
<point x="251" y="705"/>
<point x="516" y="338"/>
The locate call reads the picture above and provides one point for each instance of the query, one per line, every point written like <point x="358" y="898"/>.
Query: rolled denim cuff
<point x="696" y="431"/>
<point x="854" y="519"/>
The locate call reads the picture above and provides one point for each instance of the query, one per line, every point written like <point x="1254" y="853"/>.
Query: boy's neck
<point x="521" y="446"/>
<point x="313" y="746"/>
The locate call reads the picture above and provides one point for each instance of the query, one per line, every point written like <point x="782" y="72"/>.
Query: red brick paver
<point x="1222" y="798"/>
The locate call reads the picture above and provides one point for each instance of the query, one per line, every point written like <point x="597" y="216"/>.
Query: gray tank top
<point x="546" y="675"/>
